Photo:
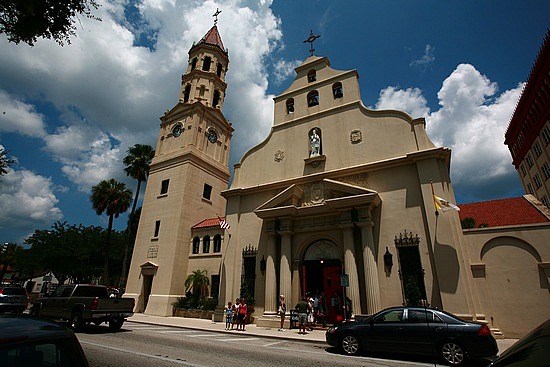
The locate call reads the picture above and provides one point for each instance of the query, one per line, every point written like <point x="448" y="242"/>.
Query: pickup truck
<point x="81" y="304"/>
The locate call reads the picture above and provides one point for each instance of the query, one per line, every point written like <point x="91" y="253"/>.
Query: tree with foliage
<point x="113" y="198"/>
<point x="8" y="252"/>
<point x="198" y="283"/>
<point x="468" y="222"/>
<point x="27" y="20"/>
<point x="137" y="164"/>
<point x="5" y="162"/>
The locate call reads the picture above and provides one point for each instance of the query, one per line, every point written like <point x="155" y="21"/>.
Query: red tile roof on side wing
<point x="211" y="222"/>
<point x="505" y="212"/>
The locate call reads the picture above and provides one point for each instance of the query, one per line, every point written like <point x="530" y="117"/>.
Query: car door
<point x="385" y="331"/>
<point x="421" y="332"/>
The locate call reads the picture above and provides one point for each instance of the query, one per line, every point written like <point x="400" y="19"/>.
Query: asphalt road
<point x="160" y="346"/>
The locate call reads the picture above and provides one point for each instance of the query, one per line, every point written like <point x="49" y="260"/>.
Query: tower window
<point x="186" y="93"/>
<point x="206" y="63"/>
<point x="217" y="243"/>
<point x="216" y="98"/>
<point x="290" y="105"/>
<point x="164" y="187"/>
<point x="206" y="244"/>
<point x="157" y="228"/>
<point x="196" y="245"/>
<point x="313" y="98"/>
<point x="219" y="70"/>
<point x="207" y="191"/>
<point x="311" y="76"/>
<point x="193" y="63"/>
<point x="337" y="90"/>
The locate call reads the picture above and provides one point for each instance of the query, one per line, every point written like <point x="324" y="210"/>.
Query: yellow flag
<point x="444" y="205"/>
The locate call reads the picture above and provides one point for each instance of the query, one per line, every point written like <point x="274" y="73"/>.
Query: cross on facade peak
<point x="215" y="15"/>
<point x="310" y="40"/>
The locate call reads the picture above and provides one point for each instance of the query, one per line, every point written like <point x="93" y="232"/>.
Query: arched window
<point x="186" y="93"/>
<point x="311" y="76"/>
<point x="206" y="244"/>
<point x="290" y="105"/>
<point x="312" y="98"/>
<point x="337" y="90"/>
<point x="206" y="63"/>
<point x="216" y="98"/>
<point x="196" y="245"/>
<point x="193" y="63"/>
<point x="217" y="243"/>
<point x="219" y="70"/>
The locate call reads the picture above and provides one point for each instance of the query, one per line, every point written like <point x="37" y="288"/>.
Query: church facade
<point x="337" y="200"/>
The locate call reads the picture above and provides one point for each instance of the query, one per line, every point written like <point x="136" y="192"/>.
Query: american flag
<point x="224" y="224"/>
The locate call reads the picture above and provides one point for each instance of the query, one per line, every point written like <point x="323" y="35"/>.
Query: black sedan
<point x="418" y="331"/>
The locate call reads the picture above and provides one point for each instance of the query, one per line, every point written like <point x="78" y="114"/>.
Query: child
<point x="228" y="316"/>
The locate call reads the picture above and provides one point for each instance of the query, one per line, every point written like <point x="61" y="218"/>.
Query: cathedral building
<point x="339" y="200"/>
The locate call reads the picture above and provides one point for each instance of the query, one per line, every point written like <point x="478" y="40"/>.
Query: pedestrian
<point x="241" y="317"/>
<point x="228" y="315"/>
<point x="348" y="309"/>
<point x="234" y="313"/>
<point x="302" y="307"/>
<point x="310" y="318"/>
<point x="322" y="311"/>
<point x="282" y="311"/>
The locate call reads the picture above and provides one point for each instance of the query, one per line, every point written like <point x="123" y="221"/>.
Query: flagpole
<point x="437" y="301"/>
<point x="433" y="198"/>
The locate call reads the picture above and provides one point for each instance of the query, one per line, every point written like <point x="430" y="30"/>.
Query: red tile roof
<point x="213" y="38"/>
<point x="502" y="212"/>
<point x="211" y="222"/>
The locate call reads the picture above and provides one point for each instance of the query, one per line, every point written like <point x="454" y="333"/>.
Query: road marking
<point x="274" y="343"/>
<point x="176" y="331"/>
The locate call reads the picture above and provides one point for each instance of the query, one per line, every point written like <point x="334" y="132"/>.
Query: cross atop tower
<point x="310" y="40"/>
<point x="218" y="11"/>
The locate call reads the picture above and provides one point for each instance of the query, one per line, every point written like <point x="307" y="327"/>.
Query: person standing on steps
<point x="241" y="317"/>
<point x="282" y="311"/>
<point x="228" y="316"/>
<point x="302" y="307"/>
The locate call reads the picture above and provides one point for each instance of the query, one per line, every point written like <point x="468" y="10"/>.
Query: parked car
<point x="14" y="299"/>
<point x="415" y="331"/>
<point x="530" y="351"/>
<point x="81" y="304"/>
<point x="27" y="341"/>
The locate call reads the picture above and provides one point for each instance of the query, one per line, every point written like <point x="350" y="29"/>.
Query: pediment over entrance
<point x="148" y="265"/>
<point x="317" y="198"/>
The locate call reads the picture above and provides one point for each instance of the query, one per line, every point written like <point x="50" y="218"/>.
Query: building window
<point x="216" y="98"/>
<point x="530" y="189"/>
<point x="546" y="135"/>
<point x="196" y="245"/>
<point x="545" y="201"/>
<point x="311" y="76"/>
<point x="546" y="170"/>
<point x="313" y="98"/>
<point x="538" y="183"/>
<point x="537" y="149"/>
<point x="164" y="187"/>
<point x="206" y="63"/>
<point x="207" y="191"/>
<point x="194" y="63"/>
<point x="219" y="70"/>
<point x="337" y="90"/>
<point x="217" y="243"/>
<point x="157" y="228"/>
<point x="186" y="93"/>
<point x="206" y="244"/>
<point x="523" y="170"/>
<point x="215" y="286"/>
<point x="290" y="105"/>
<point x="529" y="160"/>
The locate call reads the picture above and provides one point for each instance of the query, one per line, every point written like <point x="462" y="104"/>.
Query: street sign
<point x="344" y="280"/>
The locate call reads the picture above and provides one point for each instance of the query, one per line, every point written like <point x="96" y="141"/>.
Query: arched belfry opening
<point x="321" y="272"/>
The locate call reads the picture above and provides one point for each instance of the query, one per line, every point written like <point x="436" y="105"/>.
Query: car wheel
<point x="452" y="353"/>
<point x="116" y="324"/>
<point x="76" y="321"/>
<point x="350" y="345"/>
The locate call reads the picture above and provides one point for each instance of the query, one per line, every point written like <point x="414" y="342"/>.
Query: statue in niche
<point x="315" y="142"/>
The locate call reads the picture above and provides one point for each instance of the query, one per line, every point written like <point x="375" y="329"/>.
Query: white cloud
<point x="284" y="69"/>
<point x="410" y="100"/>
<point x="19" y="117"/>
<point x="426" y="59"/>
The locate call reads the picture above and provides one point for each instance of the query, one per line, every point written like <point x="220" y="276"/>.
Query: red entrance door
<point x="333" y="291"/>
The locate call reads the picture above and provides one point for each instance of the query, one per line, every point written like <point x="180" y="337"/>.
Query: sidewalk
<point x="316" y="336"/>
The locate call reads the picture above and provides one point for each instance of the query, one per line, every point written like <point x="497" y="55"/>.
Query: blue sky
<point x="69" y="113"/>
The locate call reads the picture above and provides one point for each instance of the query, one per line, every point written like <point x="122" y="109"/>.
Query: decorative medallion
<point x="279" y="155"/>
<point x="355" y="136"/>
<point x="152" y="252"/>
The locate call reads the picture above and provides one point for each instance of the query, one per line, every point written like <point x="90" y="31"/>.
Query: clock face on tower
<point x="212" y="137"/>
<point x="176" y="131"/>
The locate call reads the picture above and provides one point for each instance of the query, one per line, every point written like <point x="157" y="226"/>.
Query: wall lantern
<point x="388" y="258"/>
<point x="262" y="265"/>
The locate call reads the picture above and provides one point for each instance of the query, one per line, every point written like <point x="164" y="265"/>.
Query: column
<point x="371" y="267"/>
<point x="285" y="283"/>
<point x="271" y="299"/>
<point x="350" y="268"/>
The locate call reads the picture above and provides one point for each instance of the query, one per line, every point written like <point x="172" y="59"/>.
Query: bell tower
<point x="187" y="175"/>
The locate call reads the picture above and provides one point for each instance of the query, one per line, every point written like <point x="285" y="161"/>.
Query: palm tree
<point x="113" y="198"/>
<point x="198" y="281"/>
<point x="137" y="164"/>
